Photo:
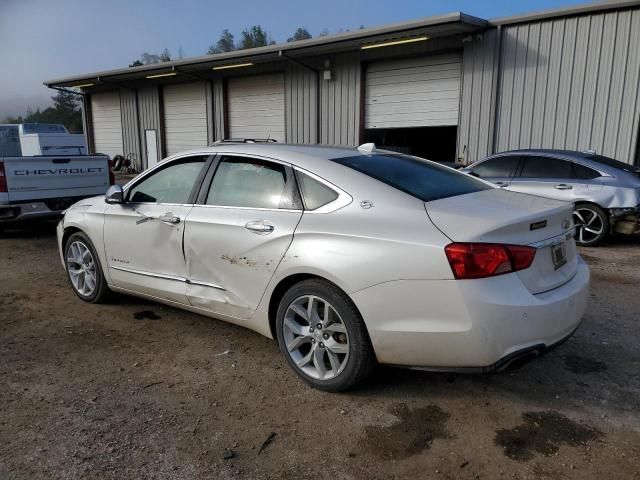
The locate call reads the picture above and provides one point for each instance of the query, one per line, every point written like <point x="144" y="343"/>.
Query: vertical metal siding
<point x="218" y="109"/>
<point x="130" y="139"/>
<point x="149" y="108"/>
<point x="340" y="102"/>
<point x="476" y="104"/>
<point x="571" y="83"/>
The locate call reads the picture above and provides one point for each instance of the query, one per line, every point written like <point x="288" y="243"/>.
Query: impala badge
<point x="538" y="225"/>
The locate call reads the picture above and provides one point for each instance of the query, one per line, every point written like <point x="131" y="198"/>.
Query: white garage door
<point x="185" y="116"/>
<point x="256" y="107"/>
<point x="107" y="123"/>
<point x="417" y="92"/>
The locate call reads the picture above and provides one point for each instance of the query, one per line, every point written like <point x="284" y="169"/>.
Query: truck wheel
<point x="83" y="269"/>
<point x="323" y="337"/>
<point x="592" y="224"/>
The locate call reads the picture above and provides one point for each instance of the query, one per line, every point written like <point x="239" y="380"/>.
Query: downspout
<point x="318" y="83"/>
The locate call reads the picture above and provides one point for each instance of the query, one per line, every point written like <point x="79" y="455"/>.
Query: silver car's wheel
<point x="323" y="336"/>
<point x="316" y="337"/>
<point x="82" y="268"/>
<point x="591" y="224"/>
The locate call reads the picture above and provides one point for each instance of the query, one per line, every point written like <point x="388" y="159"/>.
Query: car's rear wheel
<point x="83" y="269"/>
<point x="323" y="336"/>
<point x="592" y="224"/>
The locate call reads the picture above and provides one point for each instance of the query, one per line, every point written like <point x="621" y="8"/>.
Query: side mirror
<point x="114" y="194"/>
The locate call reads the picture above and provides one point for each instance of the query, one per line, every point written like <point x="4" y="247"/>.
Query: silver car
<point x="606" y="192"/>
<point x="346" y="256"/>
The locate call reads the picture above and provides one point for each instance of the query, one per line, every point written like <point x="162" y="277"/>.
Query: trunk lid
<point x="35" y="178"/>
<point x="499" y="216"/>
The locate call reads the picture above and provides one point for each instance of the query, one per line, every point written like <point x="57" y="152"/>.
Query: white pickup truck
<point x="45" y="185"/>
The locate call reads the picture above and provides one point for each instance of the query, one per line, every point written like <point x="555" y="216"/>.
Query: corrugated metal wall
<point x="340" y="101"/>
<point x="149" y="109"/>
<point x="571" y="83"/>
<point x="475" y="128"/>
<point x="130" y="138"/>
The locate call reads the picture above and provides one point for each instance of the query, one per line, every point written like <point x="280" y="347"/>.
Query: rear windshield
<point x="422" y="179"/>
<point x="610" y="162"/>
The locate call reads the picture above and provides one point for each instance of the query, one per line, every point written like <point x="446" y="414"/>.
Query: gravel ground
<point x="137" y="390"/>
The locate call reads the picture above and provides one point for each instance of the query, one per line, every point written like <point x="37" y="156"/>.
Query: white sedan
<point x="348" y="257"/>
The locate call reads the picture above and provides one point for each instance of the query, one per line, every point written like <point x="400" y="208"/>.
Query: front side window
<point x="172" y="184"/>
<point x="497" y="167"/>
<point x="418" y="177"/>
<point x="545" y="167"/>
<point x="250" y="183"/>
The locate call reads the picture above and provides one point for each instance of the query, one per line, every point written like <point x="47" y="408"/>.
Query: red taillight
<point x="3" y="179"/>
<point x="112" y="177"/>
<point x="480" y="260"/>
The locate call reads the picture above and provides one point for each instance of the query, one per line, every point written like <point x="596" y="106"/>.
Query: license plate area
<point x="558" y="255"/>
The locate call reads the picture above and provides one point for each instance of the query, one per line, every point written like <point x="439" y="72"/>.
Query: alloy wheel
<point x="82" y="268"/>
<point x="589" y="225"/>
<point x="316" y="338"/>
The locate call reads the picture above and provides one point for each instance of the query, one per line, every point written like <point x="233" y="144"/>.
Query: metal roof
<point x="435" y="26"/>
<point x="566" y="11"/>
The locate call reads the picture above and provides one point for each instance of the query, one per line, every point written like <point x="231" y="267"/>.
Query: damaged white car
<point x="348" y="257"/>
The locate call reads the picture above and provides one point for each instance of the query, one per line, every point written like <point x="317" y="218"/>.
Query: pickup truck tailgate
<point x="34" y="178"/>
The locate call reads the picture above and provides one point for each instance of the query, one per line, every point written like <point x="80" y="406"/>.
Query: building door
<point x="107" y="123"/>
<point x="256" y="107"/>
<point x="151" y="142"/>
<point x="411" y="105"/>
<point x="185" y="116"/>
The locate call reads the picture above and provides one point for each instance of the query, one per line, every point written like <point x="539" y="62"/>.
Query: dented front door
<point x="238" y="233"/>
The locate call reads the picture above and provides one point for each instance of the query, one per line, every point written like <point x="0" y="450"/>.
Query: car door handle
<point x="169" y="218"/>
<point x="563" y="186"/>
<point x="502" y="184"/>
<point x="260" y="226"/>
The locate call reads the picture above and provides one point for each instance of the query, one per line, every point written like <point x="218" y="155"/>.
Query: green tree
<point x="300" y="34"/>
<point x="65" y="110"/>
<point x="224" y="43"/>
<point x="165" y="56"/>
<point x="255" y="37"/>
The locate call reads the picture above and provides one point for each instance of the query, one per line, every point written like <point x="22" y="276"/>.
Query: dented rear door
<point x="239" y="232"/>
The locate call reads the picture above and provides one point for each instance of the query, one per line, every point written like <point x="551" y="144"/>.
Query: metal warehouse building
<point x="445" y="87"/>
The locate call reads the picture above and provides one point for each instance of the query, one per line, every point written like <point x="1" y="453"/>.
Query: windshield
<point x="418" y="177"/>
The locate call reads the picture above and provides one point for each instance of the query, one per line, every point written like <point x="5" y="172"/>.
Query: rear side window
<point x="251" y="183"/>
<point x="581" y="172"/>
<point x="545" y="167"/>
<point x="497" y="167"/>
<point x="314" y="193"/>
<point x="418" y="177"/>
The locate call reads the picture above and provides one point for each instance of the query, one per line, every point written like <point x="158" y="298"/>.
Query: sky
<point x="46" y="39"/>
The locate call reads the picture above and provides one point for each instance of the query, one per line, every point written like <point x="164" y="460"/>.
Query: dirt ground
<point x="137" y="390"/>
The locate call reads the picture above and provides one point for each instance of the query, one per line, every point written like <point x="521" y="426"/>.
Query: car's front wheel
<point x="592" y="224"/>
<point x="83" y="269"/>
<point x="323" y="336"/>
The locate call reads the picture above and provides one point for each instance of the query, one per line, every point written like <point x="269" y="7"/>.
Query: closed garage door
<point x="256" y="107"/>
<point x="107" y="123"/>
<point x="417" y="92"/>
<point x="185" y="116"/>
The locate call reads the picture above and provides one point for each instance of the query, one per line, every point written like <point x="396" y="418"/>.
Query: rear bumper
<point x="625" y="220"/>
<point x="26" y="211"/>
<point x="49" y="208"/>
<point x="476" y="324"/>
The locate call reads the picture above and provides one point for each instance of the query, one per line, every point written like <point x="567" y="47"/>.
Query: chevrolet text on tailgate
<point x="42" y="186"/>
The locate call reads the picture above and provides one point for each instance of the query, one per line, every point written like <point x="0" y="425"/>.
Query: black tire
<point x="360" y="359"/>
<point x="590" y="216"/>
<point x="101" y="292"/>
